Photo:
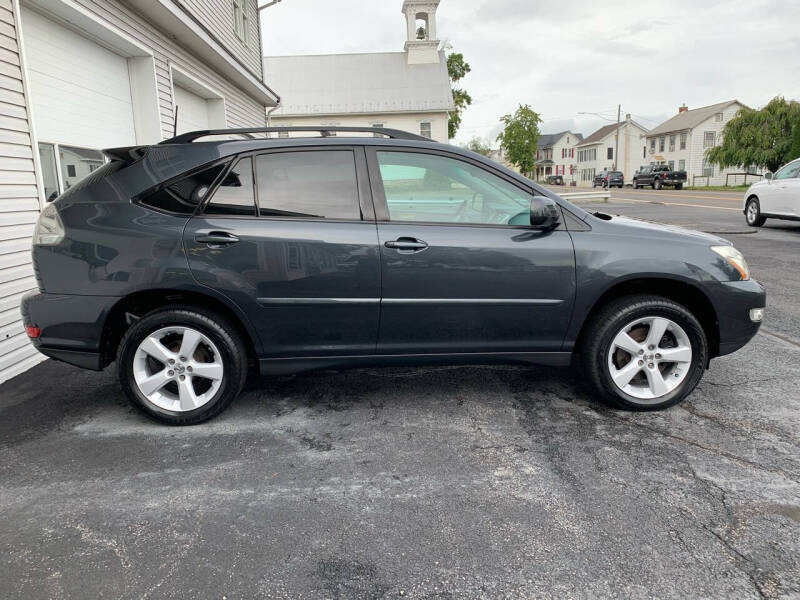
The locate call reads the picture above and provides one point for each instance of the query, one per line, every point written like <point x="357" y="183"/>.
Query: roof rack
<point x="396" y="134"/>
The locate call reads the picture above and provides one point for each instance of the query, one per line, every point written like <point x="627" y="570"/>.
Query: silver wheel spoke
<point x="153" y="347"/>
<point x="153" y="383"/>
<point x="188" y="398"/>
<point x="207" y="370"/>
<point x="191" y="339"/>
<point x="658" y="327"/>
<point x="656" y="382"/>
<point x="623" y="376"/>
<point x="627" y="343"/>
<point x="682" y="354"/>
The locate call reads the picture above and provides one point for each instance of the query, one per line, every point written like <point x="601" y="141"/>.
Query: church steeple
<point x="422" y="45"/>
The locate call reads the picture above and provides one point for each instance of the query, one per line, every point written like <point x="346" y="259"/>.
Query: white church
<point x="407" y="90"/>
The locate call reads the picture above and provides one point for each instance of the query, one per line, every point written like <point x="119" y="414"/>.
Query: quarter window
<point x="183" y="196"/>
<point x="235" y="194"/>
<point x="435" y="189"/>
<point x="315" y="184"/>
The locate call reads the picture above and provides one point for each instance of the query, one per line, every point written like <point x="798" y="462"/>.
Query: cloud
<point x="574" y="55"/>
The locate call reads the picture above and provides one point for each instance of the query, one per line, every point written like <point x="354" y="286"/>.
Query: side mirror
<point x="768" y="175"/>
<point x="544" y="213"/>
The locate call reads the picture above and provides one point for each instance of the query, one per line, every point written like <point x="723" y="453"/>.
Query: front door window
<point x="428" y="188"/>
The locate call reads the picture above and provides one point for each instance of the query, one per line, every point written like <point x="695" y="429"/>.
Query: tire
<point x="752" y="213"/>
<point x="603" y="359"/>
<point x="678" y="186"/>
<point x="181" y="396"/>
<point x="635" y="185"/>
<point x="657" y="184"/>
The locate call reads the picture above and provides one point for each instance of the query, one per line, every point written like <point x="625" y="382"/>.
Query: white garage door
<point x="80" y="91"/>
<point x="192" y="110"/>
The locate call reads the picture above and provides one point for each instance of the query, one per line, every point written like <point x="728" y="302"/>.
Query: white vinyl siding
<point x="19" y="203"/>
<point x="84" y="97"/>
<point x="217" y="16"/>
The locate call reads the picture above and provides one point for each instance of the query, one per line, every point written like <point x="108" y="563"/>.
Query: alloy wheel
<point x="178" y="368"/>
<point x="649" y="358"/>
<point x="752" y="213"/>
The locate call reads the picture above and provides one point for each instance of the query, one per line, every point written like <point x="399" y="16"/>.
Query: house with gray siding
<point x="77" y="76"/>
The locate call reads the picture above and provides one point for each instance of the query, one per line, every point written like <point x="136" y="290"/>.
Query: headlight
<point x="49" y="228"/>
<point x="735" y="258"/>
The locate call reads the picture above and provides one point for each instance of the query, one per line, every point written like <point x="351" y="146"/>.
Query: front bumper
<point x="71" y="326"/>
<point x="733" y="301"/>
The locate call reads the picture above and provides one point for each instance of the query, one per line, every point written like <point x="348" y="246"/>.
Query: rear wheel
<point x="657" y="184"/>
<point x="752" y="213"/>
<point x="181" y="366"/>
<point x="678" y="186"/>
<point x="644" y="352"/>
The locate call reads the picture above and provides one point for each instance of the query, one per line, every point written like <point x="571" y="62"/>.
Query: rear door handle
<point x="407" y="245"/>
<point x="215" y="238"/>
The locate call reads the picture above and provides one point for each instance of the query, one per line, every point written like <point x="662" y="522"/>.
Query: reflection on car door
<point x="302" y="261"/>
<point x="461" y="271"/>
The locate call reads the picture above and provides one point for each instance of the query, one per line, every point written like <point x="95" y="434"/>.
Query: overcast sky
<point x="570" y="56"/>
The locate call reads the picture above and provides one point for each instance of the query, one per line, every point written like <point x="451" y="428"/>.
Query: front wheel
<point x="644" y="352"/>
<point x="181" y="366"/>
<point x="752" y="213"/>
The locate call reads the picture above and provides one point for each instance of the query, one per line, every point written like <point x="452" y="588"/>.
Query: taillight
<point x="49" y="229"/>
<point x="33" y="332"/>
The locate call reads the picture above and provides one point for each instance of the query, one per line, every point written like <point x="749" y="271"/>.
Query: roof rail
<point x="396" y="134"/>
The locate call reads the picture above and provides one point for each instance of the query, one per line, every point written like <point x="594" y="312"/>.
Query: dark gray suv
<point x="192" y="262"/>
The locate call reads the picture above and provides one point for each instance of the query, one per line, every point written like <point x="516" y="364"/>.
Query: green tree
<point x="520" y="137"/>
<point x="457" y="68"/>
<point x="479" y="145"/>
<point x="795" y="151"/>
<point x="762" y="138"/>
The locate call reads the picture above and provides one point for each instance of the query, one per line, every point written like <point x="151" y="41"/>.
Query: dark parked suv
<point x="192" y="262"/>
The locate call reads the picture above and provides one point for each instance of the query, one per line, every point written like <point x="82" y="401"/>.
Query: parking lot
<point x="462" y="482"/>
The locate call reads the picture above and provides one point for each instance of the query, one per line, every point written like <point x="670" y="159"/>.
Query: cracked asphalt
<point x="464" y="482"/>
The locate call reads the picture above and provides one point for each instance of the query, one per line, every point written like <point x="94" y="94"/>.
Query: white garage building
<point x="77" y="76"/>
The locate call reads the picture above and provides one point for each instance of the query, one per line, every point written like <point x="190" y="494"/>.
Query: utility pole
<point x="616" y="137"/>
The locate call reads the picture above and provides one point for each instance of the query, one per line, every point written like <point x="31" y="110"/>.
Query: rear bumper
<point x="71" y="326"/>
<point x="733" y="301"/>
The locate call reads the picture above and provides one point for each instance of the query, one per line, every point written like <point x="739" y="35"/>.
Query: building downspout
<point x="271" y="110"/>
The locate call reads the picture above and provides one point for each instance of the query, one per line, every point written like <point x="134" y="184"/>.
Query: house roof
<point x="329" y="84"/>
<point x="690" y="119"/>
<point x="606" y="130"/>
<point x="548" y="140"/>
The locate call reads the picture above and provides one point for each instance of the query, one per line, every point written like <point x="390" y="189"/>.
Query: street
<point x="457" y="482"/>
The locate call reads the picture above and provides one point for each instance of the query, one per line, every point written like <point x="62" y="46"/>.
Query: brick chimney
<point x="683" y="108"/>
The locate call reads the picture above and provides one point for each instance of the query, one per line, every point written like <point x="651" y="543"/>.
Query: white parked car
<point x="776" y="196"/>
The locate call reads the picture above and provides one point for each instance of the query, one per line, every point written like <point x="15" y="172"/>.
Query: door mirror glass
<point x="768" y="175"/>
<point x="544" y="213"/>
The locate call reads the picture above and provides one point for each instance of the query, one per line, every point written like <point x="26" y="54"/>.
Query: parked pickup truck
<point x="658" y="176"/>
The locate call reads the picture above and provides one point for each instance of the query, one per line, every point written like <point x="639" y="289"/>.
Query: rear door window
<point x="235" y="195"/>
<point x="319" y="184"/>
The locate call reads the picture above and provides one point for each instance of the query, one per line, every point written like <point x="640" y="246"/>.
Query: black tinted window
<point x="184" y="195"/>
<point x="319" y="184"/>
<point x="235" y="194"/>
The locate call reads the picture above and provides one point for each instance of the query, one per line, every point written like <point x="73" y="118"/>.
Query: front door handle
<point x="407" y="245"/>
<point x="215" y="238"/>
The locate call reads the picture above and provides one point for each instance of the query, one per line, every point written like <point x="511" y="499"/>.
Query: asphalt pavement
<point x="464" y="482"/>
